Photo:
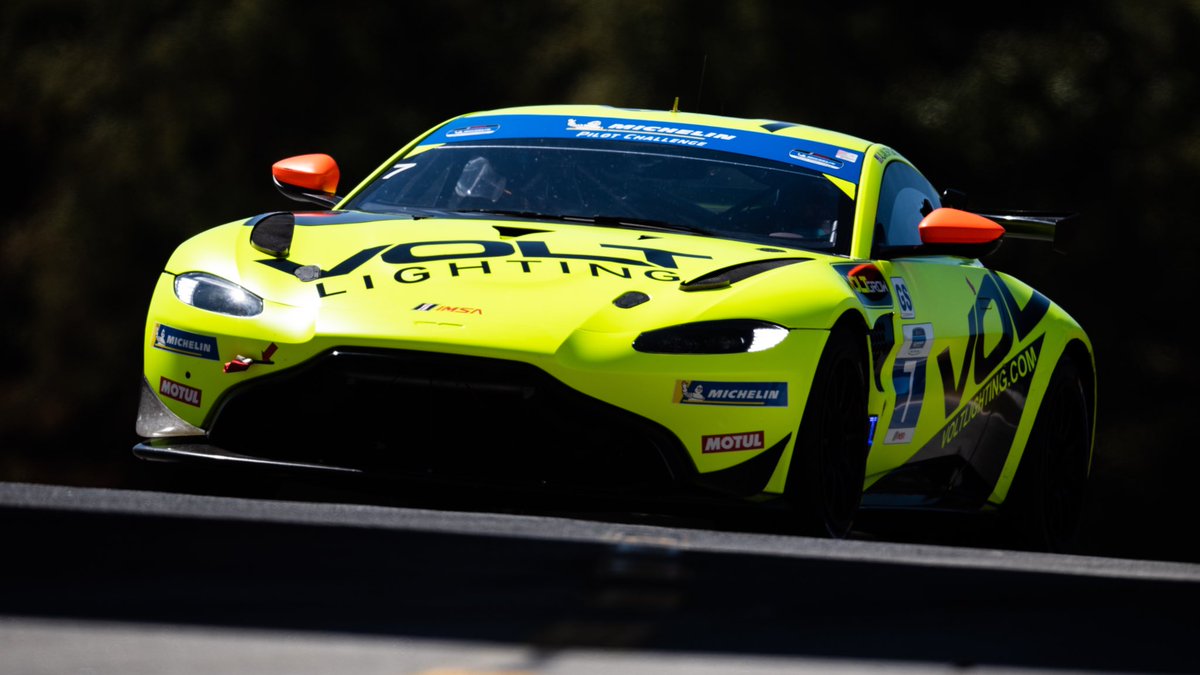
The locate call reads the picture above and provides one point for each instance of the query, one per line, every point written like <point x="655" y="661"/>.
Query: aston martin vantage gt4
<point x="632" y="300"/>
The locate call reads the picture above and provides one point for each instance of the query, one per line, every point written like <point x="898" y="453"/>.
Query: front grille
<point x="427" y="414"/>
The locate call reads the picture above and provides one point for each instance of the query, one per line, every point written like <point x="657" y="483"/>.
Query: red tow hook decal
<point x="241" y="363"/>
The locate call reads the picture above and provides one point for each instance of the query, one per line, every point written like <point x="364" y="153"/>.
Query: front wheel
<point x="828" y="465"/>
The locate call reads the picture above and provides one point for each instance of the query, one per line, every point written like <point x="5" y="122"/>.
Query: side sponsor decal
<point x="908" y="378"/>
<point x="764" y="394"/>
<point x="918" y="339"/>
<point x="179" y="392"/>
<point x="1015" y="324"/>
<point x="981" y="428"/>
<point x="1012" y="378"/>
<point x="753" y="440"/>
<point x="867" y="282"/>
<point x="904" y="298"/>
<point x="183" y="342"/>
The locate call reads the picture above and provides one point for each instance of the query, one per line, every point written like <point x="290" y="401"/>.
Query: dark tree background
<point x="129" y="126"/>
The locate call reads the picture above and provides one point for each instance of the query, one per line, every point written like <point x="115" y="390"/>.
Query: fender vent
<point x="272" y="233"/>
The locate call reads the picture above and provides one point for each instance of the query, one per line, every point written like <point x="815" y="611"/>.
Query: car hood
<point x="524" y="285"/>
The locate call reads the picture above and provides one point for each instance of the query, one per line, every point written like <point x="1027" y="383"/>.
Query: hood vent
<point x="506" y="231"/>
<point x="631" y="299"/>
<point x="728" y="276"/>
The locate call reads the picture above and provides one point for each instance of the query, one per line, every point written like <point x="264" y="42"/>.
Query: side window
<point x="905" y="197"/>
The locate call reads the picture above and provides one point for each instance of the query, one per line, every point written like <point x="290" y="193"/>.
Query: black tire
<point x="1047" y="502"/>
<point x="828" y="465"/>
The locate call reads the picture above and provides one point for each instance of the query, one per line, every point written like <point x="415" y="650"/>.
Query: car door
<point x="955" y="406"/>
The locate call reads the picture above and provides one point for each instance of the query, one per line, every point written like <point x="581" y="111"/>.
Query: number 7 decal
<point x="908" y="378"/>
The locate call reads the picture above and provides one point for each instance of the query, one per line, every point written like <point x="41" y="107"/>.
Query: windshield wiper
<point x="507" y="212"/>
<point x="646" y="223"/>
<point x="416" y="212"/>
<point x="613" y="221"/>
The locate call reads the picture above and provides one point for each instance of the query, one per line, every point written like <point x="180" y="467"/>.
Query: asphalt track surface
<point x="104" y="580"/>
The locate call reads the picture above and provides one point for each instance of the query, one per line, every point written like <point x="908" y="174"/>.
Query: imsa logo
<point x="434" y="307"/>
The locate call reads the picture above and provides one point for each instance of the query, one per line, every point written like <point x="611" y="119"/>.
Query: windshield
<point x="692" y="189"/>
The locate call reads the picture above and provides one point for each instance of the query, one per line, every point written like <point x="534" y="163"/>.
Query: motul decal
<point x="753" y="440"/>
<point x="179" y="392"/>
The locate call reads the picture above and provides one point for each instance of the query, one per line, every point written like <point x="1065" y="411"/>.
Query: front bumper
<point x="434" y="415"/>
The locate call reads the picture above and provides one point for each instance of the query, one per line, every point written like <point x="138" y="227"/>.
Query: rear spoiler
<point x="1059" y="229"/>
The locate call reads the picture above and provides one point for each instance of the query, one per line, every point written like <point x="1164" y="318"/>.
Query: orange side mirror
<point x="953" y="226"/>
<point x="317" y="172"/>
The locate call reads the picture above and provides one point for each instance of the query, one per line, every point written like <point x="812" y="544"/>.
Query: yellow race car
<point x="632" y="301"/>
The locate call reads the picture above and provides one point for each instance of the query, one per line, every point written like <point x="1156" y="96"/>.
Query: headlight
<point x="733" y="336"/>
<point x="204" y="291"/>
